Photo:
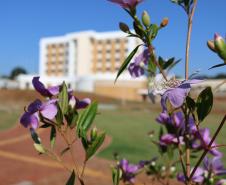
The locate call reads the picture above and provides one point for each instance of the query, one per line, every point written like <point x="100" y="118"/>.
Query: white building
<point x="87" y="61"/>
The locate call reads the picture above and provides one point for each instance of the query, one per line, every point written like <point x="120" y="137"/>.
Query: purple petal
<point x="163" y="118"/>
<point x="80" y="104"/>
<point x="28" y="119"/>
<point x="132" y="168"/>
<point x="176" y="96"/>
<point x="221" y="182"/>
<point x="180" y="177"/>
<point x="39" y="86"/>
<point x="34" y="106"/>
<point x="54" y="90"/>
<point x="198" y="176"/>
<point x="178" y="119"/>
<point x="49" y="109"/>
<point x="127" y="3"/>
<point x="124" y="164"/>
<point x="135" y="70"/>
<point x="167" y="139"/>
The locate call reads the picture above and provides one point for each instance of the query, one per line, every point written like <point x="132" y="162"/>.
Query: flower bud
<point x="146" y="19"/>
<point x="124" y="27"/>
<point x="220" y="46"/>
<point x="93" y="134"/>
<point x="39" y="148"/>
<point x="72" y="102"/>
<point x="211" y="46"/>
<point x="164" y="22"/>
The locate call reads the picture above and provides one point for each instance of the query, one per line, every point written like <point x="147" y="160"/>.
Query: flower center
<point x="161" y="85"/>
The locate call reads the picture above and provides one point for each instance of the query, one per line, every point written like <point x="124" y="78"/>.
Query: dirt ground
<point x="20" y="162"/>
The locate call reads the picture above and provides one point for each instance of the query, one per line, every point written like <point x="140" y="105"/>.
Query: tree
<point x="17" y="71"/>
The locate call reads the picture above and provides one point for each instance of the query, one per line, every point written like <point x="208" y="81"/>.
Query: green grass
<point x="129" y="129"/>
<point x="8" y="119"/>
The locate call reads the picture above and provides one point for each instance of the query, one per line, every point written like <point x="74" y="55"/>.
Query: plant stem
<point x="83" y="168"/>
<point x="180" y="151"/>
<point x="208" y="147"/>
<point x="55" y="157"/>
<point x="187" y="154"/>
<point x="150" y="48"/>
<point x="72" y="156"/>
<point x="190" y="19"/>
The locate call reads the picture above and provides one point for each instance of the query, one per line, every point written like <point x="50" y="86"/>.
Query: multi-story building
<point x="88" y="61"/>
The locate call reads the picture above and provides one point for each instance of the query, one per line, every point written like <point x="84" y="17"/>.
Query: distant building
<point x="8" y="84"/>
<point x="87" y="61"/>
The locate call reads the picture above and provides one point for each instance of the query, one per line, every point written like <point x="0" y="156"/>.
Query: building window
<point x="117" y="40"/>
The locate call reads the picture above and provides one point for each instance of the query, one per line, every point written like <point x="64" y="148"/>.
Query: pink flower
<point x="131" y="4"/>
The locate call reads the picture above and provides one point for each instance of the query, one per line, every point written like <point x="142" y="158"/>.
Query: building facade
<point x="88" y="61"/>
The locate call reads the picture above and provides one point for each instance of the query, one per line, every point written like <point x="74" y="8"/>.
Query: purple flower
<point x="47" y="92"/>
<point x="198" y="177"/>
<point x="214" y="166"/>
<point x="74" y="102"/>
<point x="131" y="4"/>
<point x="206" y="138"/>
<point x="177" y="92"/>
<point x="168" y="139"/>
<point x="221" y="182"/>
<point x="176" y="119"/>
<point x="163" y="118"/>
<point x="128" y="171"/>
<point x="136" y="68"/>
<point x="31" y="117"/>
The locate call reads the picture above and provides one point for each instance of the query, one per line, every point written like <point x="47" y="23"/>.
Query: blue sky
<point x="24" y="22"/>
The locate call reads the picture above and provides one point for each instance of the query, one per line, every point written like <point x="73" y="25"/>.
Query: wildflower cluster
<point x="182" y="114"/>
<point x="180" y="135"/>
<point x="60" y="112"/>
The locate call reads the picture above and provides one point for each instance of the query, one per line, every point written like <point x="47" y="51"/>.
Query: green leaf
<point x="72" y="117"/>
<point x="204" y="103"/>
<point x="95" y="145"/>
<point x="161" y="62"/>
<point x="63" y="98"/>
<point x="59" y="116"/>
<point x="52" y="136"/>
<point x="154" y="31"/>
<point x="218" y="65"/>
<point x="168" y="63"/>
<point x="161" y="132"/>
<point x="116" y="175"/>
<point x="86" y="119"/>
<point x="138" y="29"/>
<point x="151" y="65"/>
<point x="126" y="62"/>
<point x="190" y="103"/>
<point x="71" y="180"/>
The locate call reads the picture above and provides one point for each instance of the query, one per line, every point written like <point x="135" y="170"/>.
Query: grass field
<point x="129" y="132"/>
<point x="128" y="126"/>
